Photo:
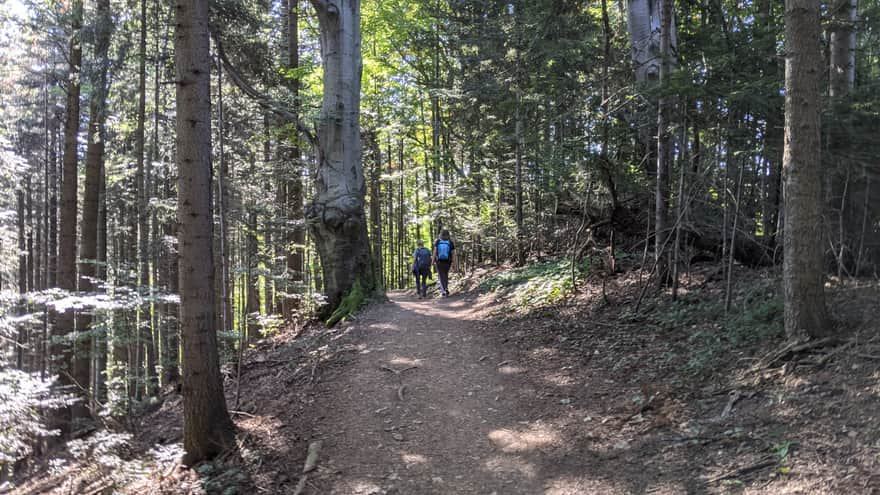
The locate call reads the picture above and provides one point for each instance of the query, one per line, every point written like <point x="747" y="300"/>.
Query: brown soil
<point x="474" y="395"/>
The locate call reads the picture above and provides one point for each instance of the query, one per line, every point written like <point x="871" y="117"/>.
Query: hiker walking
<point x="443" y="258"/>
<point x="422" y="268"/>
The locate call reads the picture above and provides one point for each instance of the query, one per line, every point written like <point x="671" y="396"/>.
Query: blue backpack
<point x="443" y="249"/>
<point x="423" y="258"/>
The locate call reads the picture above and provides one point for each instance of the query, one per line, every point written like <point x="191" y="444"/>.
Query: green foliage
<point x="756" y="317"/>
<point x="537" y="284"/>
<point x="25" y="399"/>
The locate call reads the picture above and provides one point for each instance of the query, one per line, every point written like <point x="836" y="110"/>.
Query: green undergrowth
<point x="755" y="317"/>
<point x="537" y="284"/>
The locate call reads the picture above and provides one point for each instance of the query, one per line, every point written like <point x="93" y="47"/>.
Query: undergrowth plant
<point x="536" y="285"/>
<point x="757" y="316"/>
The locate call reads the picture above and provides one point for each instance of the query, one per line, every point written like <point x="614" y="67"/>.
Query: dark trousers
<point x="443" y="273"/>
<point x="422" y="282"/>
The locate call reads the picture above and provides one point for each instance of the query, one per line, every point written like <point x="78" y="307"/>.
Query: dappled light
<point x="532" y="437"/>
<point x="445" y="247"/>
<point x="410" y="459"/>
<point x="506" y="466"/>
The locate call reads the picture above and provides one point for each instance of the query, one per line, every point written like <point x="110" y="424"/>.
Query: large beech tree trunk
<point x="802" y="268"/>
<point x="207" y="428"/>
<point x="336" y="215"/>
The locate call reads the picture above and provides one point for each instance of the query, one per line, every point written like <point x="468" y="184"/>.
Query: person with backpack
<point x="422" y="268"/>
<point x="443" y="258"/>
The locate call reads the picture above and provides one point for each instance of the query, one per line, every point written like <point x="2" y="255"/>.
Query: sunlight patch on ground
<point x="505" y="466"/>
<point x="559" y="380"/>
<point x="573" y="486"/>
<point x="403" y="361"/>
<point x="511" y="370"/>
<point x="384" y="326"/>
<point x="543" y="352"/>
<point x="356" y="487"/>
<point x="413" y="459"/>
<point x="534" y="437"/>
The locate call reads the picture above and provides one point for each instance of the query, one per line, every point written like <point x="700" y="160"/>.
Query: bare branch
<point x="262" y="99"/>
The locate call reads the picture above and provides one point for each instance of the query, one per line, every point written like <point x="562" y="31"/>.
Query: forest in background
<point x="528" y="129"/>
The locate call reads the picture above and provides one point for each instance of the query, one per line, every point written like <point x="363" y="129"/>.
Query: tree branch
<point x="276" y="107"/>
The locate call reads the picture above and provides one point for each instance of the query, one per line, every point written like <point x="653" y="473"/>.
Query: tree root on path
<point x="764" y="463"/>
<point x="310" y="465"/>
<point x="397" y="372"/>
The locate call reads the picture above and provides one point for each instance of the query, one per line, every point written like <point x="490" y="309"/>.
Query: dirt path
<point x="448" y="419"/>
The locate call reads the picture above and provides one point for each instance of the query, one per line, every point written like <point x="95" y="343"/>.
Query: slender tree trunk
<point x="142" y="178"/>
<point x="52" y="261"/>
<point x="102" y="372"/>
<point x="376" y="207"/>
<point x="841" y="81"/>
<point x="208" y="430"/>
<point x="664" y="149"/>
<point x="518" y="186"/>
<point x="802" y="268"/>
<point x="336" y="214"/>
<point x="252" y="279"/>
<point x="22" y="280"/>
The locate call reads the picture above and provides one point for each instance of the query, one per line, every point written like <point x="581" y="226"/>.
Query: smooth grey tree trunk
<point x="336" y="215"/>
<point x="842" y="49"/>
<point x="664" y="148"/>
<point x="802" y="268"/>
<point x="207" y="428"/>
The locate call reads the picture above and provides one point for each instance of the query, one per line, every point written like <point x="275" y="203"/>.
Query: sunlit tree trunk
<point x="336" y="214"/>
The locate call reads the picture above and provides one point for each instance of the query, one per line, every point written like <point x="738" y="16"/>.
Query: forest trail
<point x="431" y="405"/>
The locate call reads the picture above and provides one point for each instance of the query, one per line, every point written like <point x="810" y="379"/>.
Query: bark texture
<point x="842" y="49"/>
<point x="94" y="163"/>
<point x="66" y="279"/>
<point x="207" y="427"/>
<point x="336" y="215"/>
<point x="805" y="314"/>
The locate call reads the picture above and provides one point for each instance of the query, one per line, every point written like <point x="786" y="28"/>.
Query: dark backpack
<point x="423" y="258"/>
<point x="443" y="249"/>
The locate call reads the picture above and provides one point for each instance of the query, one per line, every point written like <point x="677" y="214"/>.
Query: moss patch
<point x="349" y="304"/>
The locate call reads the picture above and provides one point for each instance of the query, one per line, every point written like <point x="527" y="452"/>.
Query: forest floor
<point x="514" y="386"/>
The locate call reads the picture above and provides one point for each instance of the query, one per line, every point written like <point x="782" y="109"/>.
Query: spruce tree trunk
<point x="22" y="279"/>
<point x="145" y="320"/>
<point x="376" y="208"/>
<point x="102" y="348"/>
<point x="52" y="257"/>
<point x="94" y="163"/>
<point x="336" y="215"/>
<point x="802" y="268"/>
<point x="208" y="430"/>
<point x="66" y="278"/>
<point x="296" y="237"/>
